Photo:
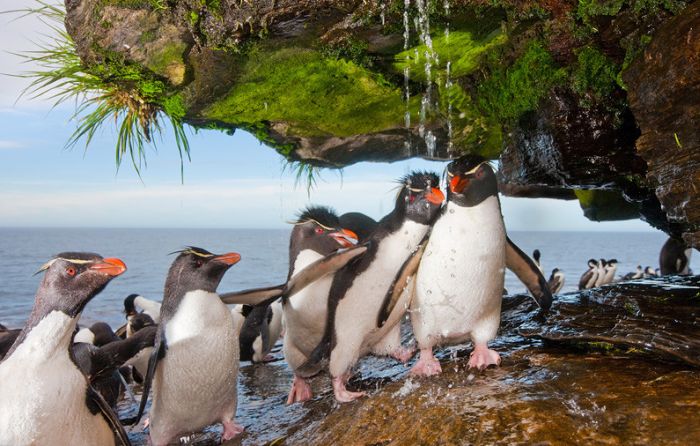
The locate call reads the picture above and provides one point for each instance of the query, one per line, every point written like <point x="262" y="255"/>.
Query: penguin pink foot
<point x="482" y="357"/>
<point x="403" y="354"/>
<point x="300" y="391"/>
<point x="427" y="364"/>
<point x="343" y="395"/>
<point x="231" y="429"/>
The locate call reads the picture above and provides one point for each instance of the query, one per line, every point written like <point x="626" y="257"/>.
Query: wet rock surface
<point x="613" y="365"/>
<point x="664" y="94"/>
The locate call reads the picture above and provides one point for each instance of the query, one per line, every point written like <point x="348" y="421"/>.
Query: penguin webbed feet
<point x="341" y="393"/>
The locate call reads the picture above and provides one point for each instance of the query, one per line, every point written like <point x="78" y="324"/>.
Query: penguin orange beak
<point x="345" y="237"/>
<point x="458" y="183"/>
<point x="110" y="266"/>
<point x="435" y="196"/>
<point x="230" y="258"/>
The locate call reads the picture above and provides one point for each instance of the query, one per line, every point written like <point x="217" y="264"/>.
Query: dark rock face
<point x="333" y="82"/>
<point x="664" y="95"/>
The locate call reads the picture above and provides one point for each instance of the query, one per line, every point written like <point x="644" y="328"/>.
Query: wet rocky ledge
<point x="613" y="365"/>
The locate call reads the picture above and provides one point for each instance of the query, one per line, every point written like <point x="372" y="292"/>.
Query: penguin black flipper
<point x="98" y="404"/>
<point x="400" y="283"/>
<point x="314" y="271"/>
<point x="159" y="348"/>
<point x="254" y="296"/>
<point x="322" y="267"/>
<point x="528" y="273"/>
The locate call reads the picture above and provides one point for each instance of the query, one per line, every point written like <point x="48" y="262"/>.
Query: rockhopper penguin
<point x="194" y="364"/>
<point x="46" y="399"/>
<point x="357" y="307"/>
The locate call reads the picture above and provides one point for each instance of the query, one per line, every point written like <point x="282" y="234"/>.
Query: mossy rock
<point x="315" y="95"/>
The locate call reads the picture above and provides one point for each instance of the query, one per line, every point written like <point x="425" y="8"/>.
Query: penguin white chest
<point x="305" y="313"/>
<point x="46" y="393"/>
<point x="195" y="383"/>
<point x="459" y="284"/>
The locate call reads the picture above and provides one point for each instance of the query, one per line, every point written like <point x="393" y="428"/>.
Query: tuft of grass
<point x="110" y="92"/>
<point x="304" y="173"/>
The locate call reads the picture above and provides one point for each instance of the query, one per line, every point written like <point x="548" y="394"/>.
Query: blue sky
<point x="232" y="181"/>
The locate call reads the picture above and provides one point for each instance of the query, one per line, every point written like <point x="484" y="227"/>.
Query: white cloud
<point x="8" y="144"/>
<point x="231" y="203"/>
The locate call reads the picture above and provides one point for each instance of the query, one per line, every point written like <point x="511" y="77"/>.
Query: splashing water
<point x="423" y="28"/>
<point x="448" y="80"/>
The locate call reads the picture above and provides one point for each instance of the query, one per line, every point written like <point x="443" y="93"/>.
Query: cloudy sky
<point x="232" y="181"/>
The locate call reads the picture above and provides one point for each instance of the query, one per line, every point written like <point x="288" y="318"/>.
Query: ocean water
<point x="264" y="260"/>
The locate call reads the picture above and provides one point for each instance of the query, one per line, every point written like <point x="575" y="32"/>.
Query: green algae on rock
<point x="315" y="95"/>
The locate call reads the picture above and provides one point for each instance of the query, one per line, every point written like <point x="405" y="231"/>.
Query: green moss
<point x="313" y="94"/>
<point x="511" y="91"/>
<point x="588" y="9"/>
<point x="352" y="49"/>
<point x="169" y="62"/>
<point x="606" y="205"/>
<point x="193" y="18"/>
<point x="147" y="36"/>
<point x="633" y="50"/>
<point x="174" y="106"/>
<point x="594" y="74"/>
<point x="461" y="49"/>
<point x="471" y="130"/>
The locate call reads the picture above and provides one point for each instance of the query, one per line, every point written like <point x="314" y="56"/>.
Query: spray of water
<point x="423" y="29"/>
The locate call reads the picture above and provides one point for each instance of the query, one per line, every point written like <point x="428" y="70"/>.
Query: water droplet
<point x="452" y="211"/>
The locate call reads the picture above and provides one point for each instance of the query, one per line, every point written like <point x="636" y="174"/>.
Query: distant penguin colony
<point x="437" y="259"/>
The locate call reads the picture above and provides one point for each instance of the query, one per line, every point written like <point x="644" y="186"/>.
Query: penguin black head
<point x="471" y="180"/>
<point x="129" y="307"/>
<point x="359" y="223"/>
<point x="71" y="279"/>
<point x="592" y="263"/>
<point x="318" y="228"/>
<point x="420" y="198"/>
<point x="536" y="255"/>
<point x="197" y="269"/>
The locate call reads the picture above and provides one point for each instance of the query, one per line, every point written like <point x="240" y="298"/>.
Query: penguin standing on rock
<point x="314" y="244"/>
<point x="459" y="283"/>
<point x="46" y="399"/>
<point x="194" y="364"/>
<point x="536" y="255"/>
<point x="357" y="309"/>
<point x="589" y="278"/>
<point x="556" y="280"/>
<point x="674" y="257"/>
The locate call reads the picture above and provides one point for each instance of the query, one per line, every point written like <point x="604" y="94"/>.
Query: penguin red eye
<point x="70" y="271"/>
<point x="411" y="198"/>
<point x="198" y="263"/>
<point x="319" y="231"/>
